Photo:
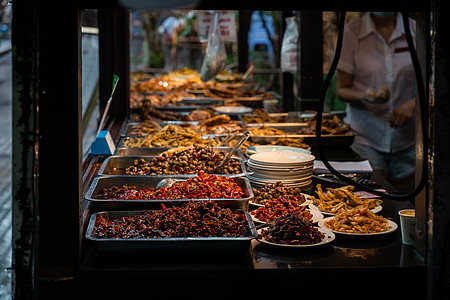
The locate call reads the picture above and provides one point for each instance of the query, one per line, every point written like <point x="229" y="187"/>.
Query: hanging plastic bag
<point x="215" y="57"/>
<point x="289" y="52"/>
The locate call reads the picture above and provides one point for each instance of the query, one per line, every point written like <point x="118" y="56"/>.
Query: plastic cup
<point x="407" y="225"/>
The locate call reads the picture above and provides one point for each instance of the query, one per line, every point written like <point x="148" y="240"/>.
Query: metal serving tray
<point x="147" y="182"/>
<point x="299" y="117"/>
<point x="162" y="123"/>
<point x="186" y="245"/>
<point x="116" y="165"/>
<point x="292" y="128"/>
<point x="131" y="125"/>
<point x="180" y="109"/>
<point x="202" y="101"/>
<point x="156" y="151"/>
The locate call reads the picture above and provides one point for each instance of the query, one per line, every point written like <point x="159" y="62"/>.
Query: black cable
<point x="421" y="100"/>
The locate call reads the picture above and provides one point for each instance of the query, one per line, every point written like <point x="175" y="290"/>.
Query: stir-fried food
<point x="339" y="199"/>
<point x="358" y="220"/>
<point x="292" y="229"/>
<point x="291" y="142"/>
<point x="330" y="125"/>
<point x="279" y="207"/>
<point x="261" y="116"/>
<point x="143" y="128"/>
<point x="272" y="191"/>
<point x="191" y="160"/>
<point x="171" y="136"/>
<point x="265" y="130"/>
<point x="193" y="219"/>
<point x="204" y="186"/>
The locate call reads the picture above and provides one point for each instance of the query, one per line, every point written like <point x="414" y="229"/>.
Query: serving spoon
<point x="239" y="143"/>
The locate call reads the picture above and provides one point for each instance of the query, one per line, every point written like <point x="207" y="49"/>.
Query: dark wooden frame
<point x="47" y="142"/>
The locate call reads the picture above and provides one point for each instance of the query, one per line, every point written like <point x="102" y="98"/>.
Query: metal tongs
<point x="242" y="140"/>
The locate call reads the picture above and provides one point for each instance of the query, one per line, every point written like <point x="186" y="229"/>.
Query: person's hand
<point x="402" y="114"/>
<point x="380" y="96"/>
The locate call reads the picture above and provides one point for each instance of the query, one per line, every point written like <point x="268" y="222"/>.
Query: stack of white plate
<point x="291" y="168"/>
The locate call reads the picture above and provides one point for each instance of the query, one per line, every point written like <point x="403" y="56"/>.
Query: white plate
<point x="280" y="167"/>
<point x="375" y="210"/>
<point x="284" y="171"/>
<point x="390" y="223"/>
<point x="233" y="109"/>
<point x="283" y="158"/>
<point x="316" y="217"/>
<point x="281" y="176"/>
<point x="283" y="180"/>
<point x="329" y="237"/>
<point x="273" y="148"/>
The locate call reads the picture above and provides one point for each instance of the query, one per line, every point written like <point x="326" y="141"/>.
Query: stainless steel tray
<point x="202" y="101"/>
<point x="130" y="125"/>
<point x="116" y="165"/>
<point x="156" y="151"/>
<point x="147" y="182"/>
<point x="328" y="140"/>
<point x="187" y="245"/>
<point x="186" y="108"/>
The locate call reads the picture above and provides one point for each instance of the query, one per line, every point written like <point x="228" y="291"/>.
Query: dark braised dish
<point x="272" y="191"/>
<point x="191" y="160"/>
<point x="193" y="219"/>
<point x="292" y="229"/>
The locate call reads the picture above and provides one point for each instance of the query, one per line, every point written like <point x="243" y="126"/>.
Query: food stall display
<point x="337" y="200"/>
<point x="187" y="144"/>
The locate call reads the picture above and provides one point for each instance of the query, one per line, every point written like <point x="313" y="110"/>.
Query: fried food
<point x="171" y="136"/>
<point x="291" y="142"/>
<point x="272" y="191"/>
<point x="143" y="129"/>
<point x="292" y="229"/>
<point x="358" y="220"/>
<point x="192" y="160"/>
<point x="264" y="130"/>
<point x="330" y="125"/>
<point x="340" y="199"/>
<point x="261" y="116"/>
<point x="216" y="120"/>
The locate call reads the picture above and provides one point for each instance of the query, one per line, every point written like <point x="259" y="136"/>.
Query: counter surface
<point x="382" y="262"/>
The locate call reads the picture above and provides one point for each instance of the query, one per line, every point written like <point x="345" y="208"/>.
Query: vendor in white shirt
<point x="376" y="78"/>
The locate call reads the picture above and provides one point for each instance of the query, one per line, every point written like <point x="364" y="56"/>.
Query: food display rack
<point x="348" y="258"/>
<point x="381" y="268"/>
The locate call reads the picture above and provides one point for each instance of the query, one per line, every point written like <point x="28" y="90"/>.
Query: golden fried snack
<point x="358" y="220"/>
<point x="339" y="199"/>
<point x="291" y="142"/>
<point x="261" y="116"/>
<point x="264" y="130"/>
<point x="143" y="129"/>
<point x="171" y="136"/>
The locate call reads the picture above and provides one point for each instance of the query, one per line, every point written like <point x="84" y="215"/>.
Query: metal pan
<point x="156" y="151"/>
<point x="116" y="165"/>
<point x="131" y="125"/>
<point x="291" y="129"/>
<point x="202" y="101"/>
<point x="177" y="246"/>
<point x="147" y="182"/>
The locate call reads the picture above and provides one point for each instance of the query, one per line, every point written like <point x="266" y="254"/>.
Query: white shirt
<point x="373" y="63"/>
